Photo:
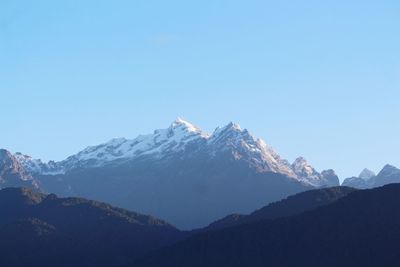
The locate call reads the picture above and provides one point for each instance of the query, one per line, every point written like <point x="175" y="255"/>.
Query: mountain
<point x="290" y="206"/>
<point x="181" y="174"/>
<point x="44" y="230"/>
<point x="12" y="173"/>
<point x="361" y="229"/>
<point x="306" y="173"/>
<point x="389" y="174"/>
<point x="367" y="179"/>
<point x="367" y="174"/>
<point x="180" y="136"/>
<point x="363" y="181"/>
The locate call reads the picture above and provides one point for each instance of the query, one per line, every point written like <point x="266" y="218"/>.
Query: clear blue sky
<point x="314" y="78"/>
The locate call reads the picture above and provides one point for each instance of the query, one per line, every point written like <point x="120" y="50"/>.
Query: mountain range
<point x="45" y="230"/>
<point x="336" y="226"/>
<point x="180" y="174"/>
<point x="368" y="179"/>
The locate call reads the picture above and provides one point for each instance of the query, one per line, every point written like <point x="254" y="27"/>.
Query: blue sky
<point x="319" y="79"/>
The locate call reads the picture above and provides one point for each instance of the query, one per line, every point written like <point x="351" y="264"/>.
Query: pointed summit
<point x="301" y="167"/>
<point x="366" y="174"/>
<point x="12" y="173"/>
<point x="230" y="126"/>
<point x="229" y="129"/>
<point x="185" y="125"/>
<point x="300" y="161"/>
<point x="389" y="170"/>
<point x="305" y="172"/>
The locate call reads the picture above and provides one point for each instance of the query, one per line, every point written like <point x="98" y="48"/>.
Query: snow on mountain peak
<point x="33" y="165"/>
<point x="230" y="127"/>
<point x="306" y="173"/>
<point x="11" y="166"/>
<point x="184" y="127"/>
<point x="159" y="143"/>
<point x="179" y="122"/>
<point x="302" y="168"/>
<point x="231" y="139"/>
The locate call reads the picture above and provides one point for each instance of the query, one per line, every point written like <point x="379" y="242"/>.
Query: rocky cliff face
<point x="12" y="173"/>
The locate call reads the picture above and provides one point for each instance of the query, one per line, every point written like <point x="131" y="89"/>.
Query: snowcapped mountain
<point x="12" y="173"/>
<point x="159" y="144"/>
<point x="307" y="174"/>
<point x="36" y="166"/>
<point x="175" y="140"/>
<point x="181" y="174"/>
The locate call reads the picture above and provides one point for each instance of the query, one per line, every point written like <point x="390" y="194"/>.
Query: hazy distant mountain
<point x="290" y="206"/>
<point x="366" y="174"/>
<point x="368" y="179"/>
<point x="360" y="229"/>
<point x="181" y="174"/>
<point x="44" y="230"/>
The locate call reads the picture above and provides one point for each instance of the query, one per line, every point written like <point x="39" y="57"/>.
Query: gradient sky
<point x="319" y="79"/>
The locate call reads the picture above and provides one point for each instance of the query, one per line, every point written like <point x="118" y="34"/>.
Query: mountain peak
<point x="366" y="174"/>
<point x="180" y="123"/>
<point x="230" y="139"/>
<point x="232" y="126"/>
<point x="389" y="170"/>
<point x="12" y="172"/>
<point x="5" y="154"/>
<point x="229" y="128"/>
<point x="302" y="168"/>
<point x="300" y="160"/>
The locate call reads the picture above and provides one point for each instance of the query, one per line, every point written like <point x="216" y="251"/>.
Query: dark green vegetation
<point x="337" y="226"/>
<point x="290" y="206"/>
<point x="44" y="230"/>
<point x="361" y="229"/>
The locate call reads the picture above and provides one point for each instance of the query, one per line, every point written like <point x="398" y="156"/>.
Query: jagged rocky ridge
<point x="13" y="173"/>
<point x="180" y="174"/>
<point x="179" y="136"/>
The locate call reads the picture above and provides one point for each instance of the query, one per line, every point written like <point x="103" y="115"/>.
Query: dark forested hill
<point x="44" y="230"/>
<point x="361" y="229"/>
<point x="290" y="206"/>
